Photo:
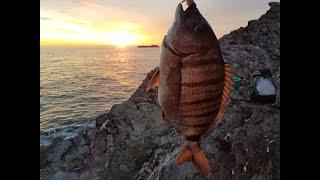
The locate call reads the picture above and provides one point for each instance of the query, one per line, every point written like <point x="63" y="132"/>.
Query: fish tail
<point x="185" y="155"/>
<point x="193" y="152"/>
<point x="201" y="160"/>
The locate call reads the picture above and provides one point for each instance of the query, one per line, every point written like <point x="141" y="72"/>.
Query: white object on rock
<point x="265" y="87"/>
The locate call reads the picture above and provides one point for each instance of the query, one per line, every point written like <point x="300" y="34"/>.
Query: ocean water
<point x="79" y="83"/>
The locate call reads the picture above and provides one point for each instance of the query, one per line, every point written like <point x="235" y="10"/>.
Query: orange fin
<point x="154" y="82"/>
<point x="185" y="155"/>
<point x="228" y="83"/>
<point x="202" y="161"/>
<point x="194" y="153"/>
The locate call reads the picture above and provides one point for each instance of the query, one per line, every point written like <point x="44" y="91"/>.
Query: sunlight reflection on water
<point x="79" y="83"/>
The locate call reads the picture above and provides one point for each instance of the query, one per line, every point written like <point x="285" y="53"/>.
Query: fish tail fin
<point x="196" y="154"/>
<point x="201" y="160"/>
<point x="185" y="155"/>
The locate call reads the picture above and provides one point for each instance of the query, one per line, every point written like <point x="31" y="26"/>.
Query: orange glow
<point x="61" y="30"/>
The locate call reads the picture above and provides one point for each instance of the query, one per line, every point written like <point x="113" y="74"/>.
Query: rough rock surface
<point x="255" y="46"/>
<point x="132" y="142"/>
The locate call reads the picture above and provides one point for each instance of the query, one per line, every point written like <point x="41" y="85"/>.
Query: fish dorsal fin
<point x="154" y="82"/>
<point x="228" y="83"/>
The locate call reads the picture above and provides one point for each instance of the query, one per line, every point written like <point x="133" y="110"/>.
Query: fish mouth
<point x="190" y="33"/>
<point x="190" y="17"/>
<point x="184" y="5"/>
<point x="188" y="9"/>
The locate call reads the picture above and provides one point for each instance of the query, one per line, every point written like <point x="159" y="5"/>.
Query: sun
<point x="122" y="38"/>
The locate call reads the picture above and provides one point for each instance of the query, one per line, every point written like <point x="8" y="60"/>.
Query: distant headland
<point x="150" y="46"/>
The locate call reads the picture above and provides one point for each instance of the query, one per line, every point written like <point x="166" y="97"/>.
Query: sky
<point x="134" y="22"/>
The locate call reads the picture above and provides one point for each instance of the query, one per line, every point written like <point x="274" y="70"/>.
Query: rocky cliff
<point x="132" y="142"/>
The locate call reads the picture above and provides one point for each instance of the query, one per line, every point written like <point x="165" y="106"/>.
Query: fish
<point x="194" y="83"/>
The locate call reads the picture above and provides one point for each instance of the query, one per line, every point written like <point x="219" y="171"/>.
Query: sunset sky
<point x="133" y="22"/>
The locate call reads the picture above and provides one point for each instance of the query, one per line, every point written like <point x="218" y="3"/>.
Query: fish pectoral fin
<point x="228" y="83"/>
<point x="155" y="81"/>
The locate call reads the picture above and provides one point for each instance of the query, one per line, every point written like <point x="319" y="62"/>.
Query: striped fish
<point x="194" y="82"/>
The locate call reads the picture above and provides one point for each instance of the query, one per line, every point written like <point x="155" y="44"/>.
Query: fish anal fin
<point x="155" y="81"/>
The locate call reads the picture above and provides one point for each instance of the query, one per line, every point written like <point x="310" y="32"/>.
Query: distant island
<point x="151" y="46"/>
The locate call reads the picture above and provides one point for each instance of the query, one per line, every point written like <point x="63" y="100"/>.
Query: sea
<point x="79" y="83"/>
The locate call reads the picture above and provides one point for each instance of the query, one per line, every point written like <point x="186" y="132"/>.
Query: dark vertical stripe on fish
<point x="206" y="100"/>
<point x="203" y="114"/>
<point x="202" y="125"/>
<point x="203" y="83"/>
<point x="193" y="137"/>
<point x="202" y="62"/>
<point x="199" y="108"/>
